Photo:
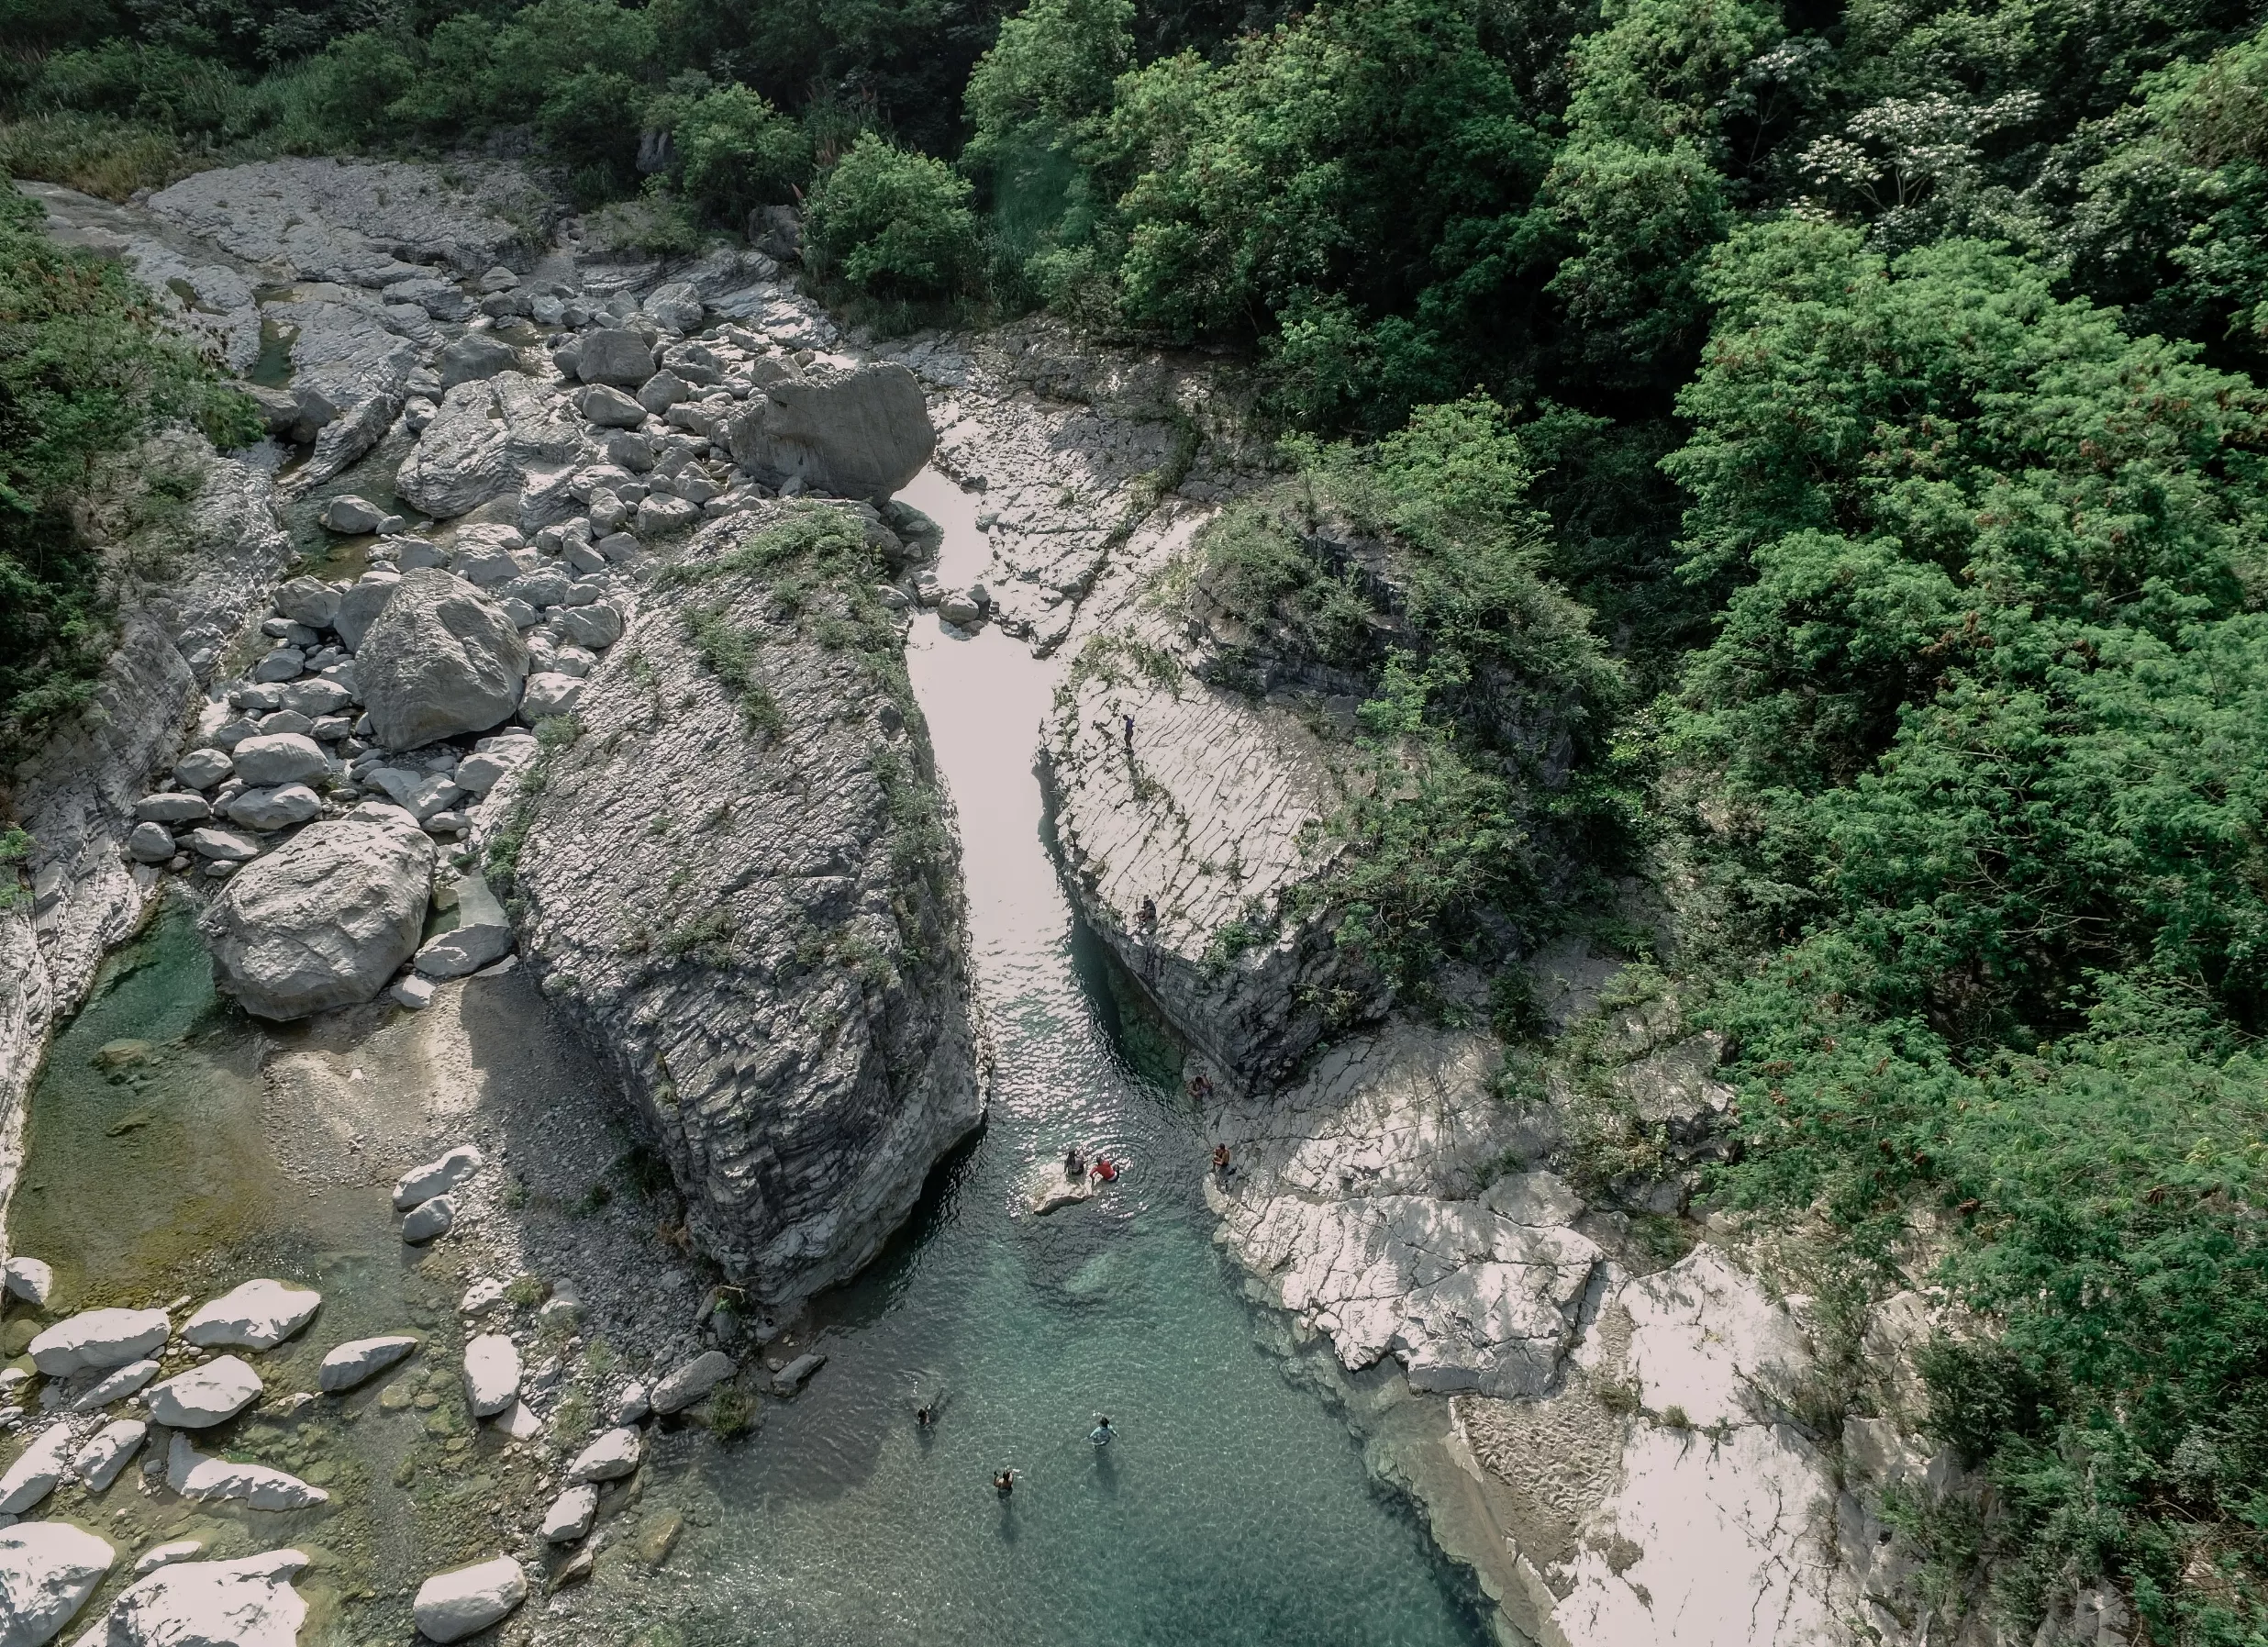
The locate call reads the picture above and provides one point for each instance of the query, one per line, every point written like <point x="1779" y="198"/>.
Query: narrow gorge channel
<point x="1236" y="1507"/>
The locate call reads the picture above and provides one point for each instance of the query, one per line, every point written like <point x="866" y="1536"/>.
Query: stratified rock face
<point x="1203" y="812"/>
<point x="488" y="435"/>
<point x="439" y="660"/>
<point x="324" y="920"/>
<point x="861" y="432"/>
<point x="745" y="893"/>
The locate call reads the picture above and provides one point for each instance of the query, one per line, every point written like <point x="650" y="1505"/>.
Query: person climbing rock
<point x="1220" y="1160"/>
<point x="1149" y="915"/>
<point x="1201" y="1086"/>
<point x="1102" y="1433"/>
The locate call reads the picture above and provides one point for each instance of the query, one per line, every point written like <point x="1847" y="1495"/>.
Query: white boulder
<point x="454" y="1604"/>
<point x="205" y="1395"/>
<point x="436" y="1178"/>
<point x="99" y="1338"/>
<point x="361" y="1360"/>
<point x="102" y="1458"/>
<point x="258" y="1315"/>
<point x="193" y="1475"/>
<point x="29" y="1280"/>
<point x="37" y="1471"/>
<point x="244" y="1603"/>
<point x="48" y="1569"/>
<point x="114" y="1386"/>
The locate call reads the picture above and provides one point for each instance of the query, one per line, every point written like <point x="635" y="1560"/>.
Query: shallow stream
<point x="1235" y="1506"/>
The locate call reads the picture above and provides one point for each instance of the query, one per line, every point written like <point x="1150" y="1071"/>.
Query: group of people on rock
<point x="1076" y="1166"/>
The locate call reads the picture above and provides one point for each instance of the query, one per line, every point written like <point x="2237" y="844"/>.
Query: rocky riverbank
<point x="491" y="474"/>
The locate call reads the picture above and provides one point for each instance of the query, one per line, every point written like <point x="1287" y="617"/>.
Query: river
<point x="1235" y="1506"/>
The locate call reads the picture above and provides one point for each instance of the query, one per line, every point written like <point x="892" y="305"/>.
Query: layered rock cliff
<point x="740" y="878"/>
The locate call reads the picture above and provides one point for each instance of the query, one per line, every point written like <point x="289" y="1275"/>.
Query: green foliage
<point x="738" y="152"/>
<point x="84" y="372"/>
<point x="893" y="226"/>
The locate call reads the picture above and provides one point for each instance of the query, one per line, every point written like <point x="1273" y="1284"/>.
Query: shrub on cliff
<point x="84" y="371"/>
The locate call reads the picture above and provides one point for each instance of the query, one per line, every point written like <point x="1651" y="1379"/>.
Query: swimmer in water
<point x="1004" y="1482"/>
<point x="1102" y="1432"/>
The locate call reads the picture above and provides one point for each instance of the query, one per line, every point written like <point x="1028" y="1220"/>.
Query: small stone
<point x="491" y="1374"/>
<point x="280" y="757"/>
<point x="223" y="847"/>
<point x="611" y="408"/>
<point x="175" y="806"/>
<point x="413" y="994"/>
<point x="202" y="768"/>
<point x="278" y="809"/>
<point x="569" y="1519"/>
<point x="614" y="1455"/>
<point x="519" y="1421"/>
<point x="629" y="1405"/>
<point x="423" y="1183"/>
<point x="149" y="843"/>
<point x="549" y="693"/>
<point x="430" y="1220"/>
<point x="796" y="1373"/>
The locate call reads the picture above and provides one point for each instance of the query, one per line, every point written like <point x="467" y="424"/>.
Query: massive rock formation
<point x="859" y="431"/>
<point x="487" y="436"/>
<point x="739" y="881"/>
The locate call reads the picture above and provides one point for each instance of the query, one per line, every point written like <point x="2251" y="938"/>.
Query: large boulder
<point x="361" y="1360"/>
<point x="612" y="356"/>
<point x="244" y="1603"/>
<point x="483" y="441"/>
<point x="441" y="659"/>
<point x="324" y="920"/>
<point x="859" y="431"/>
<point x="258" y="1315"/>
<point x="360" y="606"/>
<point x="98" y="1339"/>
<point x="38" y="1469"/>
<point x="195" y="1474"/>
<point x="205" y="1395"/>
<point x="48" y="1569"/>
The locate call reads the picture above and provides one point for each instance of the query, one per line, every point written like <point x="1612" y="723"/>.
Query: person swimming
<point x="1102" y="1433"/>
<point x="1104" y="1171"/>
<point x="1003" y="1481"/>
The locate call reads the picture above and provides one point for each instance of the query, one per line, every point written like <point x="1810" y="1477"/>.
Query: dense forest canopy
<point x="1858" y="406"/>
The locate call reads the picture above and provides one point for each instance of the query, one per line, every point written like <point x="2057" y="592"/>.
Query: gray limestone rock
<point x="488" y="435"/>
<point x="862" y="432"/>
<point x="325" y="920"/>
<point x="436" y="1178"/>
<point x="430" y="1220"/>
<point x="205" y="1395"/>
<point x="615" y="357"/>
<point x="38" y="1469"/>
<point x="222" y="846"/>
<point x="552" y="693"/>
<point x="439" y="660"/>
<point x="193" y="1475"/>
<point x="150" y="844"/>
<point x="277" y="808"/>
<point x="352" y="515"/>
<point x="280" y="757"/>
<point x="691" y="1382"/>
<point x="800" y="1110"/>
<point x="474" y="356"/>
<point x="176" y="807"/>
<point x="570" y="1515"/>
<point x="48" y="1569"/>
<point x="611" y="408"/>
<point x="309" y="600"/>
<point x="202" y="768"/>
<point x="483" y="934"/>
<point x="663" y="390"/>
<point x="29" y="1279"/>
<point x="359" y="606"/>
<point x="612" y="1456"/>
<point x="491" y="1374"/>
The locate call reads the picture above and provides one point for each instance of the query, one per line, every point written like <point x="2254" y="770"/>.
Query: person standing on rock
<point x="1128" y="719"/>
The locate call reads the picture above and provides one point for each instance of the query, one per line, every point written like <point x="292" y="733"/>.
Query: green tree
<point x="737" y="152"/>
<point x="893" y="226"/>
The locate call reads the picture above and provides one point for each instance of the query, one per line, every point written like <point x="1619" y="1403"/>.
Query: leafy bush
<point x="737" y="152"/>
<point x="893" y="226"/>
